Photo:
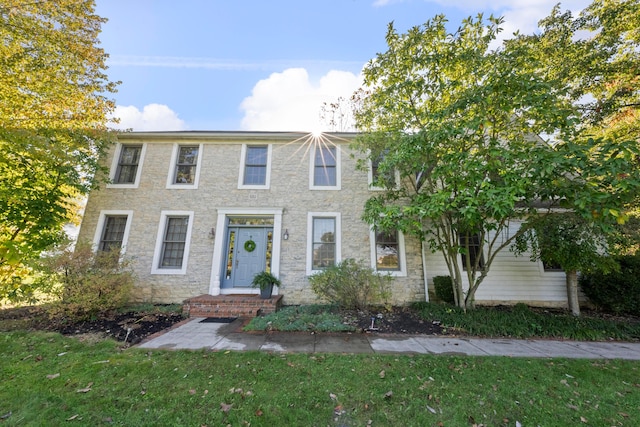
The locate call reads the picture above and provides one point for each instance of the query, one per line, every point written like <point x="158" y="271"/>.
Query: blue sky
<point x="262" y="64"/>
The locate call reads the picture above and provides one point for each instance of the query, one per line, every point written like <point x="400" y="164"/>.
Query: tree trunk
<point x="572" y="292"/>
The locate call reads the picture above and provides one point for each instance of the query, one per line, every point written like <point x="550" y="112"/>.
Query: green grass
<point x="47" y="379"/>
<point x="522" y="322"/>
<point x="307" y="318"/>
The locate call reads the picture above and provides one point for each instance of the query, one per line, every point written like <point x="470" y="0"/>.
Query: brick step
<point x="230" y="305"/>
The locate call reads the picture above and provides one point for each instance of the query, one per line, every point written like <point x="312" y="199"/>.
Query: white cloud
<point x="153" y="117"/>
<point x="290" y="101"/>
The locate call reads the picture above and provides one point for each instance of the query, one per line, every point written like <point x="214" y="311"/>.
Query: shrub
<point x="616" y="291"/>
<point x="350" y="284"/>
<point x="88" y="284"/>
<point x="444" y="289"/>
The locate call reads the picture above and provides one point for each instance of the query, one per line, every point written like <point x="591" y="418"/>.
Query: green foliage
<point x="90" y="284"/>
<point x="459" y="122"/>
<point x="521" y="321"/>
<point x="351" y="284"/>
<point x="306" y="318"/>
<point x="444" y="289"/>
<point x="53" y="118"/>
<point x="264" y="280"/>
<point x="615" y="291"/>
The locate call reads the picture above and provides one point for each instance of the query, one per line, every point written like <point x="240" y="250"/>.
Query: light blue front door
<point x="244" y="259"/>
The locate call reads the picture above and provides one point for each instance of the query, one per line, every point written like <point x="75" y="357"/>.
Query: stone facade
<point x="218" y="195"/>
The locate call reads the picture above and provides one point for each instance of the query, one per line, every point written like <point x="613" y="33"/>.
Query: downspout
<point x="424" y="271"/>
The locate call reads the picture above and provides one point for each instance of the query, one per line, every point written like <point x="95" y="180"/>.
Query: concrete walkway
<point x="195" y="334"/>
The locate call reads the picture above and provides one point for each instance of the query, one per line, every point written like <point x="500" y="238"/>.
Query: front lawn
<point x="48" y="379"/>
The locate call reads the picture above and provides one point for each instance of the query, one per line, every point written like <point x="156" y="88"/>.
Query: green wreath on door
<point x="249" y="245"/>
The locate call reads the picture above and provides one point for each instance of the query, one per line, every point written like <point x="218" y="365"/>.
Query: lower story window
<point x="113" y="232"/>
<point x="387" y="250"/>
<point x="471" y="242"/>
<point x="324" y="241"/>
<point x="174" y="242"/>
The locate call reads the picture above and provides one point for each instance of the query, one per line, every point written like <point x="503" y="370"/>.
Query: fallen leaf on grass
<point x="388" y="394"/>
<point x="259" y="413"/>
<point x="73" y="417"/>
<point x="333" y="396"/>
<point x="192" y="391"/>
<point x="583" y="419"/>
<point x="224" y="407"/>
<point x="382" y="374"/>
<point x="5" y="416"/>
<point x="52" y="376"/>
<point x="433" y="411"/>
<point x="86" y="389"/>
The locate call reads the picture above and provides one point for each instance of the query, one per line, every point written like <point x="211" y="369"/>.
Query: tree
<point x="53" y="118"/>
<point x="459" y="124"/>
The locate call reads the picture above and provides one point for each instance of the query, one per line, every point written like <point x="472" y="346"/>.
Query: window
<point x="256" y="171"/>
<point x="112" y="231"/>
<point x="551" y="266"/>
<point x="387" y="252"/>
<point x="324" y="241"/>
<point x="471" y="242"/>
<point x="172" y="246"/>
<point x="126" y="165"/>
<point x="379" y="180"/>
<point x="186" y="167"/>
<point x="325" y="168"/>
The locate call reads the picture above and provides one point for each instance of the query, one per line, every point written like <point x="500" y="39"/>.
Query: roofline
<point x="230" y="135"/>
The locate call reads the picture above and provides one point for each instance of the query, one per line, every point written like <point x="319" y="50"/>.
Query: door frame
<point x="219" y="246"/>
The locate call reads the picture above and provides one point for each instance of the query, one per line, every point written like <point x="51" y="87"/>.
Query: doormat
<point x="218" y="320"/>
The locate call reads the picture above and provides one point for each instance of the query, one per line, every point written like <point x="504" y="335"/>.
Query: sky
<point x="263" y="65"/>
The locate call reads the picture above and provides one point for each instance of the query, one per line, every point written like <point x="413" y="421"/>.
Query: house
<point x="199" y="213"/>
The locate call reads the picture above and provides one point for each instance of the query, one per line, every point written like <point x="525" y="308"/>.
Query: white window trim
<point x="172" y="168"/>
<point x="114" y="167"/>
<point x="403" y="255"/>
<point x="547" y="273"/>
<point x="243" y="159"/>
<point x="100" y="228"/>
<point x="160" y="238"/>
<point x="338" y="170"/>
<point x="310" y="216"/>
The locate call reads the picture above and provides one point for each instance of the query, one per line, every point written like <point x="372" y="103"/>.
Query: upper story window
<point x="256" y="169"/>
<point x="378" y="179"/>
<point x="324" y="241"/>
<point x="471" y="242"/>
<point x="112" y="231"/>
<point x="325" y="168"/>
<point x="185" y="166"/>
<point x="172" y="245"/>
<point x="125" y="170"/>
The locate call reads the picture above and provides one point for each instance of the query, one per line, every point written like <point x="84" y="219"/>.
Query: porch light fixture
<point x="285" y="236"/>
<point x="212" y="233"/>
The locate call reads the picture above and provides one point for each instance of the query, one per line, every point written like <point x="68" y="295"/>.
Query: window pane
<point x="113" y="233"/>
<point x="474" y="250"/>
<point x="128" y="164"/>
<point x="255" y="171"/>
<point x="186" y="165"/>
<point x="324" y="246"/>
<point x="324" y="173"/>
<point x="387" y="250"/>
<point x="174" y="242"/>
<point x="185" y="174"/>
<point x="188" y="156"/>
